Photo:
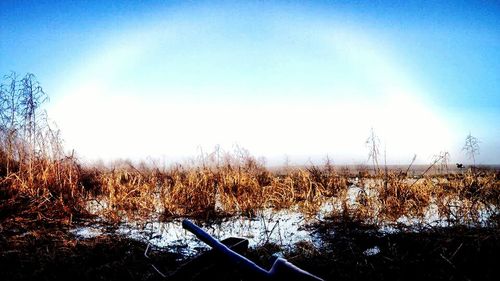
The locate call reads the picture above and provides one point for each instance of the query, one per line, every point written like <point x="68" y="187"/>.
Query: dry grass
<point x="38" y="179"/>
<point x="63" y="188"/>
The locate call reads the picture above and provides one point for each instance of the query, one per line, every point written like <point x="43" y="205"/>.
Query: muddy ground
<point x="35" y="250"/>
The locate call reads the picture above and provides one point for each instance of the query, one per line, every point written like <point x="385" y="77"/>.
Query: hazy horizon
<point x="162" y="80"/>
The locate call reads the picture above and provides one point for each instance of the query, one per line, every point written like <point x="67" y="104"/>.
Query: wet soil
<point x="39" y="250"/>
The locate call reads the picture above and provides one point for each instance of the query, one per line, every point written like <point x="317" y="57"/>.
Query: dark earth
<point x="39" y="250"/>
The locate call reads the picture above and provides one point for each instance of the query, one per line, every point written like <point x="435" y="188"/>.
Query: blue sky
<point x="163" y="78"/>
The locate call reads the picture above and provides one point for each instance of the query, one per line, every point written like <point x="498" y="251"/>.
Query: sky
<point x="284" y="79"/>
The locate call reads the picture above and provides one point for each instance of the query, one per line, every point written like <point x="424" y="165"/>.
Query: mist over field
<point x="296" y="81"/>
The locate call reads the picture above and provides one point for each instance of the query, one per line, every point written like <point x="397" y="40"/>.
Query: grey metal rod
<point x="215" y="244"/>
<point x="281" y="269"/>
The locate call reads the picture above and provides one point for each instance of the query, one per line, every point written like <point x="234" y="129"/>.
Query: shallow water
<point x="283" y="227"/>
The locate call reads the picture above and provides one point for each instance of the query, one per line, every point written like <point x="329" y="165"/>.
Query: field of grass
<point x="61" y="189"/>
<point x="44" y="191"/>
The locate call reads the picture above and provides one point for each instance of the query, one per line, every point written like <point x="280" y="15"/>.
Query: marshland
<point x="357" y="140"/>
<point x="63" y="219"/>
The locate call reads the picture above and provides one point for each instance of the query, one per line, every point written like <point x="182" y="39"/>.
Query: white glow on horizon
<point x="101" y="123"/>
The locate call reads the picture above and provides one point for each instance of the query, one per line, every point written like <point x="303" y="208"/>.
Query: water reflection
<point x="287" y="227"/>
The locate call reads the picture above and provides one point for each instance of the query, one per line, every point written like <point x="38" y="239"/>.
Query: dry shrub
<point x="399" y="196"/>
<point x="48" y="188"/>
<point x="481" y="186"/>
<point x="327" y="180"/>
<point x="189" y="192"/>
<point x="36" y="175"/>
<point x="280" y="194"/>
<point x="489" y="190"/>
<point x="241" y="192"/>
<point x="129" y="193"/>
